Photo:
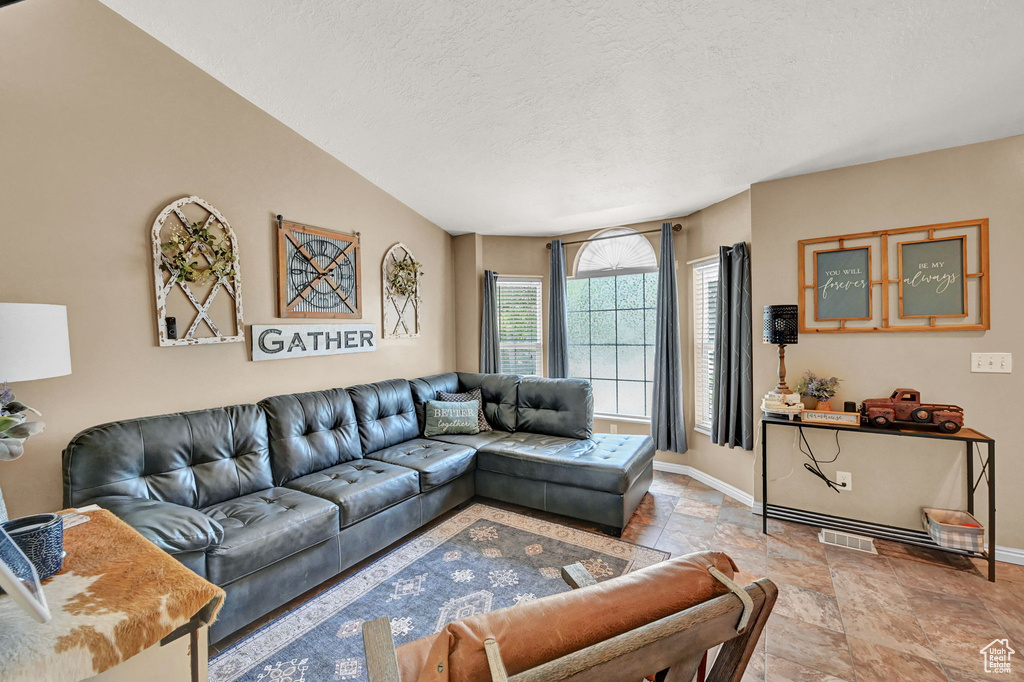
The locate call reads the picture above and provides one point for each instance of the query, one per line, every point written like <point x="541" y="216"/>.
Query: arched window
<point x="612" y="317"/>
<point x="619" y="251"/>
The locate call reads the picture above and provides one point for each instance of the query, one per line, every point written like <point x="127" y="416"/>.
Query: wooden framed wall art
<point x="195" y="261"/>
<point x="932" y="274"/>
<point x="911" y="279"/>
<point x="319" y="274"/>
<point x="842" y="284"/>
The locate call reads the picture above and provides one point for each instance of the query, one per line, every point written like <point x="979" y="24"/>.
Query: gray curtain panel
<point x="489" y="347"/>
<point x="668" y="426"/>
<point x="558" y="319"/>
<point x="732" y="415"/>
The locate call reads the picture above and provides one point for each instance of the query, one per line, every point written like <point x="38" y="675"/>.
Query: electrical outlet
<point x="845" y="480"/>
<point x="614" y="428"/>
<point x="994" y="363"/>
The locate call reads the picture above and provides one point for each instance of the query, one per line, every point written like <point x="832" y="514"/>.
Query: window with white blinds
<point x="705" y="304"/>
<point x="520" y="345"/>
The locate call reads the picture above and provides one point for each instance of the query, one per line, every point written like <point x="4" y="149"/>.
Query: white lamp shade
<point x="33" y="341"/>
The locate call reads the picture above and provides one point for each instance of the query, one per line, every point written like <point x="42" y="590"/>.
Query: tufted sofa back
<point x="385" y="414"/>
<point x="426" y="388"/>
<point x="500" y="393"/>
<point x="194" y="459"/>
<point x="556" y="407"/>
<point x="310" y="431"/>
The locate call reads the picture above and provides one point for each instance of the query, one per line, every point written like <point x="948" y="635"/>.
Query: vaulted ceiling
<point x="550" y="116"/>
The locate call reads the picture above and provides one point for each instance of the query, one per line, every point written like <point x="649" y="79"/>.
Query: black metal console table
<point x="905" y="535"/>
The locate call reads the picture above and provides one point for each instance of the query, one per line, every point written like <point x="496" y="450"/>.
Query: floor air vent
<point x="840" y="539"/>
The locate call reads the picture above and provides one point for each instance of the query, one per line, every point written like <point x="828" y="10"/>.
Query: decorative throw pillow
<point x="473" y="394"/>
<point x="443" y="417"/>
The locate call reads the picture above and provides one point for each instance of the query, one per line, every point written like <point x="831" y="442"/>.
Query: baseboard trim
<point x="1009" y="555"/>
<point x="708" y="480"/>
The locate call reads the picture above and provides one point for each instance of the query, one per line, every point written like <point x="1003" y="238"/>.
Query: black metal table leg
<point x="764" y="477"/>
<point x="970" y="477"/>
<point x="194" y="658"/>
<point x="992" y="511"/>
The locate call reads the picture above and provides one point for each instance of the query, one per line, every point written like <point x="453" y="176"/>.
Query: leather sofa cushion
<point x="571" y="620"/>
<point x="194" y="459"/>
<point x="606" y="462"/>
<point x="436" y="462"/>
<point x="385" y="414"/>
<point x="360" y="488"/>
<point x="427" y="388"/>
<point x="171" y="527"/>
<point x="556" y="407"/>
<point x="310" y="431"/>
<point x="472" y="440"/>
<point x="265" y="527"/>
<point x="500" y="393"/>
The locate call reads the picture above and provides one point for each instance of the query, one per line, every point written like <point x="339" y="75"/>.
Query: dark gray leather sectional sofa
<point x="272" y="499"/>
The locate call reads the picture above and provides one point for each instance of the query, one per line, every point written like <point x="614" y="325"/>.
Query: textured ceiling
<point x="550" y="116"/>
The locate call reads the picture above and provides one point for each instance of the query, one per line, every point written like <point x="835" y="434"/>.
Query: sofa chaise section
<point x="543" y="452"/>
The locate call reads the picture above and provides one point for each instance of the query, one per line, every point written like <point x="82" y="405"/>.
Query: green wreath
<point x="404" y="278"/>
<point x="182" y="259"/>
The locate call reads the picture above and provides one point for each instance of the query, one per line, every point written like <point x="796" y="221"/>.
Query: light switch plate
<point x="992" y="363"/>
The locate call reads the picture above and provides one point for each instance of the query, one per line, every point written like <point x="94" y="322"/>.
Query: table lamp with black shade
<point x="781" y="328"/>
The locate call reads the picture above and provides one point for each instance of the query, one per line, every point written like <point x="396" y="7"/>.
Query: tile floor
<point x="907" y="614"/>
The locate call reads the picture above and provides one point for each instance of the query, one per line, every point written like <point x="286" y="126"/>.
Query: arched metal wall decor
<point x="171" y="286"/>
<point x="401" y="311"/>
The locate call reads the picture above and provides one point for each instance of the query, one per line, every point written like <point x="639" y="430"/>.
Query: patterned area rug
<point x="479" y="560"/>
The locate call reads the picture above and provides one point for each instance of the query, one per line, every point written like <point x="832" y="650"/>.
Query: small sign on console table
<point x="283" y="341"/>
<point x="829" y="417"/>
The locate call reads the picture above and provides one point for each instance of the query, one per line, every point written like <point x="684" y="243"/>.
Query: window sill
<point x="631" y="418"/>
<point x="706" y="430"/>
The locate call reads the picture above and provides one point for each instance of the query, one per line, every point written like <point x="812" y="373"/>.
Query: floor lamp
<point x="33" y="345"/>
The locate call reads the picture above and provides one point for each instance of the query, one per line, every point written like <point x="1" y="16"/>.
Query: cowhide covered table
<point x="116" y="596"/>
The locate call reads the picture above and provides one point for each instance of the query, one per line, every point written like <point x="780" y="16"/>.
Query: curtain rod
<point x="675" y="228"/>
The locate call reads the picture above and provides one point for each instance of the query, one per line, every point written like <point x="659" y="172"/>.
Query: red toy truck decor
<point x="904" y="405"/>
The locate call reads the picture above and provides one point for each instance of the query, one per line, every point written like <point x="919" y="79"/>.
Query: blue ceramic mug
<point x="41" y="538"/>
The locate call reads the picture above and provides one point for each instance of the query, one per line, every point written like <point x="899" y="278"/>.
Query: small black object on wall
<point x="172" y="327"/>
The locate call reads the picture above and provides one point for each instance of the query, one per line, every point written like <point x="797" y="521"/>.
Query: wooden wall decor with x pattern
<point x="177" y="298"/>
<point x="401" y="313"/>
<point x="319" y="274"/>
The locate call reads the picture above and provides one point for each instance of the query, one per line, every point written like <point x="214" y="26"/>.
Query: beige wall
<point x="893" y="478"/>
<point x="101" y="127"/>
<point x="722" y="224"/>
<point x="467" y="259"/>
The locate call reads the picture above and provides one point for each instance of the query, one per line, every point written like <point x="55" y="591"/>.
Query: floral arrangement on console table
<point x="15" y="429"/>
<point x="819" y="388"/>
